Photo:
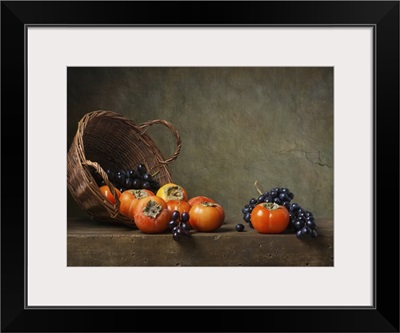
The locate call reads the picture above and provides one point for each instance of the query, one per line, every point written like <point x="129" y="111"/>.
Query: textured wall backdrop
<point x="237" y="125"/>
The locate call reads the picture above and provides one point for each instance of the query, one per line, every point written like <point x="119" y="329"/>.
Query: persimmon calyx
<point x="208" y="204"/>
<point x="174" y="192"/>
<point x="270" y="205"/>
<point x="152" y="209"/>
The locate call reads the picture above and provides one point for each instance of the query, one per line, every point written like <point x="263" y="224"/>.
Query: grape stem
<point x="257" y="187"/>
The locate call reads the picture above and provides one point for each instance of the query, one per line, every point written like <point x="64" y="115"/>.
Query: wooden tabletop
<point x="93" y="243"/>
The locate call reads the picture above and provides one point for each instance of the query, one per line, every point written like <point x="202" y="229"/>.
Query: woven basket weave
<point x="107" y="140"/>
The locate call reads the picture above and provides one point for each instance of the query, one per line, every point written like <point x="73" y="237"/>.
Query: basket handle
<point x="144" y="126"/>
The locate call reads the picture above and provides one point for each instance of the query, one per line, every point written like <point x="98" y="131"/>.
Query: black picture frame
<point x="383" y="16"/>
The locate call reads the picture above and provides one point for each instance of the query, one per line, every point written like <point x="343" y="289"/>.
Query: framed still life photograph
<point x="201" y="158"/>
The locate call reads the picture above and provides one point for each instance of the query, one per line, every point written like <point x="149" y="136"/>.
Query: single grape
<point x="137" y="184"/>
<point x="299" y="234"/>
<point x="284" y="190"/>
<point x="294" y="207"/>
<point x="298" y="224"/>
<point x="132" y="174"/>
<point x="146" y="177"/>
<point x="185" y="217"/>
<point x="305" y="230"/>
<point x="146" y="185"/>
<point x="239" y="227"/>
<point x="120" y="179"/>
<point x="261" y="198"/>
<point x="273" y="193"/>
<point x="310" y="224"/>
<point x="128" y="183"/>
<point x="141" y="168"/>
<point x="283" y="197"/>
<point x="175" y="215"/>
<point x="247" y="217"/>
<point x="184" y="226"/>
<point x="172" y="224"/>
<point x="246" y="209"/>
<point x="176" y="236"/>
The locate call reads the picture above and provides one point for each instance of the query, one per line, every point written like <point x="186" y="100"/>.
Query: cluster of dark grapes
<point x="301" y="220"/>
<point x="133" y="178"/>
<point x="179" y="225"/>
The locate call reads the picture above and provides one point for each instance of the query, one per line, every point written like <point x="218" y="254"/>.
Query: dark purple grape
<point x="277" y="201"/>
<point x="155" y="186"/>
<point x="141" y="168"/>
<point x="120" y="179"/>
<point x="310" y="224"/>
<point x="246" y="209"/>
<point x="314" y="233"/>
<point x="128" y="183"/>
<point x="309" y="217"/>
<point x="273" y="193"/>
<point x="172" y="224"/>
<point x="185" y="217"/>
<point x="239" y="227"/>
<point x="298" y="224"/>
<point x="247" y="217"/>
<point x="147" y="177"/>
<point x="132" y="174"/>
<point x="137" y="184"/>
<point x="176" y="236"/>
<point x="309" y="214"/>
<point x="291" y="195"/>
<point x="184" y="226"/>
<point x="283" y="197"/>
<point x="110" y="175"/>
<point x="269" y="199"/>
<point x="261" y="198"/>
<point x="299" y="234"/>
<point x="305" y="230"/>
<point x="294" y="207"/>
<point x="252" y="201"/>
<point x="146" y="185"/>
<point x="175" y="215"/>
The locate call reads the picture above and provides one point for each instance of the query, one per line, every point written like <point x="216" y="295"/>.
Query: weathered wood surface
<point x="91" y="243"/>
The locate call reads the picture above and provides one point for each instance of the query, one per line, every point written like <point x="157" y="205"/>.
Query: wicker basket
<point x="107" y="140"/>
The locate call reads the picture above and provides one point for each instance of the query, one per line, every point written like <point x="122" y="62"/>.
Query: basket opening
<point x="119" y="145"/>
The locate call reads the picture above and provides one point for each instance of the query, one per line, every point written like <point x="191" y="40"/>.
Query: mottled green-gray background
<point x="237" y="125"/>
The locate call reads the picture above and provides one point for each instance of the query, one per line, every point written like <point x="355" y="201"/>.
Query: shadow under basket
<point x="107" y="140"/>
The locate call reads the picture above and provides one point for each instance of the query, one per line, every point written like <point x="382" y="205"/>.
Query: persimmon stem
<point x="257" y="187"/>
